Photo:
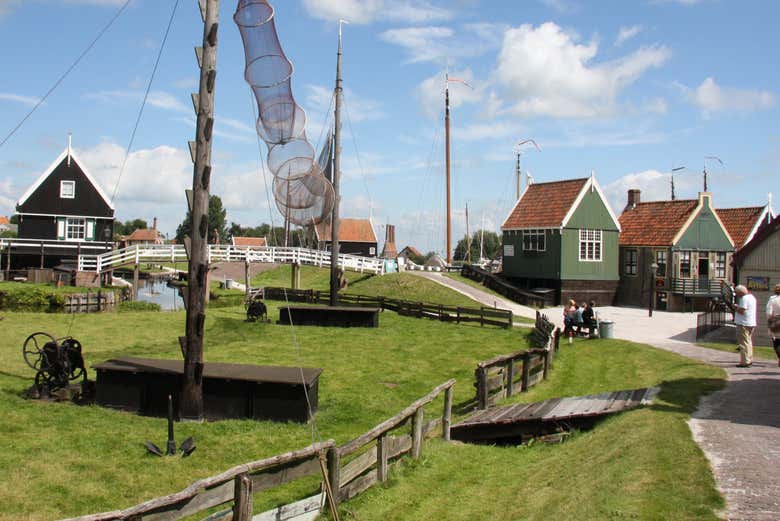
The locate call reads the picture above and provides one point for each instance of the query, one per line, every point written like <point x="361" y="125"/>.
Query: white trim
<point x="55" y="215"/>
<point x="696" y="211"/>
<point x="63" y="184"/>
<point x="767" y="210"/>
<point x="65" y="153"/>
<point x="590" y="183"/>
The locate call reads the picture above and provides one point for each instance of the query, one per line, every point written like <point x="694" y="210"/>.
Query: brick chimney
<point x="154" y="223"/>
<point x="389" y="251"/>
<point x="633" y="198"/>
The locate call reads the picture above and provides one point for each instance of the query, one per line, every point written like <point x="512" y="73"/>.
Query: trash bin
<point x="228" y="283"/>
<point x="606" y="329"/>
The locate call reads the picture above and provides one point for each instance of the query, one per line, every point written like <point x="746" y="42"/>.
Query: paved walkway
<point x="738" y="428"/>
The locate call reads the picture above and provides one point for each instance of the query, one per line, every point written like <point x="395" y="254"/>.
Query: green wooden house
<point x="690" y="245"/>
<point x="562" y="236"/>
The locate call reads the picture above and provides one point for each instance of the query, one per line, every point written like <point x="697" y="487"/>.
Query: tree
<point x="216" y="222"/>
<point x="129" y="227"/>
<point x="490" y="249"/>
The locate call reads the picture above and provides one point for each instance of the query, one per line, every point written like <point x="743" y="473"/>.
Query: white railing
<point x="216" y="253"/>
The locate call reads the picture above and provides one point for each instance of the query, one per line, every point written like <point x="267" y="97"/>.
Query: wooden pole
<point x="246" y="276"/>
<point x="41" y="255"/>
<point x="417" y="438"/>
<point x="446" y="421"/>
<point x="135" y="282"/>
<point x="242" y="498"/>
<point x="334" y="225"/>
<point x="447" y="162"/>
<point x="334" y="474"/>
<point x="518" y="174"/>
<point x="191" y="403"/>
<point x="381" y="458"/>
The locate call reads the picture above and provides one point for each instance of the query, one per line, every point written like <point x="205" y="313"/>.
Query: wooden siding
<point x="573" y="268"/>
<point x="592" y="213"/>
<point x="533" y="264"/>
<point x="45" y="227"/>
<point x="763" y="261"/>
<point x="705" y="233"/>
<point x="86" y="202"/>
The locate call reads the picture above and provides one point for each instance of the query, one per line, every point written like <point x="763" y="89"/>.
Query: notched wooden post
<point x="242" y="508"/>
<point x="446" y="421"/>
<point x="381" y="458"/>
<point x="526" y="371"/>
<point x="510" y="376"/>
<point x="417" y="424"/>
<point x="334" y="474"/>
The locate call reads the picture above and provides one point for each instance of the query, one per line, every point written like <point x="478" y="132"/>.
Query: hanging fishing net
<point x="301" y="191"/>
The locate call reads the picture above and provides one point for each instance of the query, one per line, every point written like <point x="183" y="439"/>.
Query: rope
<point x="65" y="74"/>
<point x="143" y="102"/>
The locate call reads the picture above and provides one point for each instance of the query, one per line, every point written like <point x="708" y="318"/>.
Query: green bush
<point x="138" y="305"/>
<point x="31" y="299"/>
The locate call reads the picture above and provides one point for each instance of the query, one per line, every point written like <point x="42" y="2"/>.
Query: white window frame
<point x="73" y="224"/>
<point x="721" y="265"/>
<point x="665" y="263"/>
<point x="685" y="255"/>
<point x="591" y="246"/>
<point x="67" y="194"/>
<point x="537" y="240"/>
<point x="629" y="253"/>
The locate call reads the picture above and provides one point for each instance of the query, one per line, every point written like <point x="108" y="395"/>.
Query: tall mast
<point x="447" y="151"/>
<point x="334" y="224"/>
<point x="191" y="404"/>
<point x="518" y="174"/>
<point x="468" y="237"/>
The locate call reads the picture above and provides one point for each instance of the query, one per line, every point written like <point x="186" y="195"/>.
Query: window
<point x="590" y="245"/>
<point x="533" y="240"/>
<point x="660" y="259"/>
<point x="630" y="262"/>
<point x="75" y="229"/>
<point x="685" y="264"/>
<point x="720" y="265"/>
<point x="67" y="189"/>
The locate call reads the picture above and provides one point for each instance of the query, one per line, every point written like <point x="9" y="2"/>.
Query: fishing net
<point x="301" y="191"/>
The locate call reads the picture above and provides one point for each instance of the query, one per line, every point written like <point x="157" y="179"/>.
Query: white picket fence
<point x="274" y="254"/>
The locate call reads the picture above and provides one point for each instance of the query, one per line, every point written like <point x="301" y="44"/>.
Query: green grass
<point x="625" y="468"/>
<point x="312" y="277"/>
<point x="477" y="285"/>
<point x="764" y="353"/>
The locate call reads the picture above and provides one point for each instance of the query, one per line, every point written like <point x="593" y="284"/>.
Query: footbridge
<point x="138" y="254"/>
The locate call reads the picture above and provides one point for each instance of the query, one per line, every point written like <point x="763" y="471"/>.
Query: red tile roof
<point x="411" y="250"/>
<point x="4" y="220"/>
<point x="654" y="223"/>
<point x="144" y="235"/>
<point x="739" y="222"/>
<point x="257" y="242"/>
<point x="350" y="230"/>
<point x="544" y="205"/>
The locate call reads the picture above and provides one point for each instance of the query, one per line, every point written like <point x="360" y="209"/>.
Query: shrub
<point x="138" y="305"/>
<point x="31" y="299"/>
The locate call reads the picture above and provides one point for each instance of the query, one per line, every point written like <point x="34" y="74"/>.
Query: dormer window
<point x="67" y="189"/>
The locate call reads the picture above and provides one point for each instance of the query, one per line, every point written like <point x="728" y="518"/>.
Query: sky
<point x="626" y="89"/>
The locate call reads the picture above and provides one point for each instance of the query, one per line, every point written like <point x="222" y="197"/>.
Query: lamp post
<point x="651" y="304"/>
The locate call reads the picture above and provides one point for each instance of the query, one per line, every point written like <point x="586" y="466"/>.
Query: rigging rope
<point x="65" y="74"/>
<point x="143" y="102"/>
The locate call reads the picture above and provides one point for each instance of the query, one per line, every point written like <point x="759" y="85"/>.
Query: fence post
<point x="417" y="424"/>
<point x="547" y="363"/>
<point x="510" y="375"/>
<point x="242" y="508"/>
<point x="446" y="420"/>
<point x="482" y="388"/>
<point x="334" y="474"/>
<point x="381" y="458"/>
<point x="526" y="371"/>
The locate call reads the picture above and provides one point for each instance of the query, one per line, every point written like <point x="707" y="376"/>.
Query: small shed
<point x="356" y="237"/>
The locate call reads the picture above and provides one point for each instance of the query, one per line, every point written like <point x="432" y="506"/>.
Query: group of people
<point x="745" y="319"/>
<point x="581" y="317"/>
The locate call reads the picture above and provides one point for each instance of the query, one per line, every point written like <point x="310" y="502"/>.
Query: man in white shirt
<point x="773" y="320"/>
<point x="745" y="319"/>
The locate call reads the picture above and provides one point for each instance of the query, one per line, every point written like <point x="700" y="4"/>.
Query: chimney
<point x="154" y="224"/>
<point x="633" y="198"/>
<point x="389" y="251"/>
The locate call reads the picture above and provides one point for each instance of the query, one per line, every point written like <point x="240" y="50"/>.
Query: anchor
<point x="187" y="447"/>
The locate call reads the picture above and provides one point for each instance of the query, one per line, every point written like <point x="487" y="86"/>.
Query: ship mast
<point x="334" y="223"/>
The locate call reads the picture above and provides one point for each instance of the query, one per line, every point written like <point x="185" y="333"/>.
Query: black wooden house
<point x="63" y="214"/>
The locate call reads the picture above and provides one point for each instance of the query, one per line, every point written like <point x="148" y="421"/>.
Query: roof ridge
<point x="741" y="208"/>
<point x="559" y="181"/>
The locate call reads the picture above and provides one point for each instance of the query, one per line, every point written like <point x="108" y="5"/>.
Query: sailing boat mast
<point x="467" y="257"/>
<point x="334" y="223"/>
<point x="447" y="161"/>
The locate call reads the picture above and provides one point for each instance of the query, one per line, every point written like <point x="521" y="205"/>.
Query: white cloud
<point x="549" y="73"/>
<point x="430" y="91"/>
<point x="159" y="99"/>
<point x="186" y="83"/>
<point x="562" y="6"/>
<point x="626" y="33"/>
<point x="440" y="44"/>
<point x="492" y="130"/>
<point x="8" y="196"/>
<point x="711" y="97"/>
<point x="18" y="98"/>
<point x="369" y="11"/>
<point x="654" y="186"/>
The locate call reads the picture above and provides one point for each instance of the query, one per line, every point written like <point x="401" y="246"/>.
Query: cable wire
<point x="143" y="102"/>
<point x="65" y="74"/>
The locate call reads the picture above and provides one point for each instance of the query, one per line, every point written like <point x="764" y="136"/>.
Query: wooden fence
<point x="350" y="469"/>
<point x="497" y="284"/>
<point x="504" y="375"/>
<point x="482" y="315"/>
<point x="91" y="302"/>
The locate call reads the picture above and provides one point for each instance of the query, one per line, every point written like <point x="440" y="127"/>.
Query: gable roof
<point x="144" y="234"/>
<point x="655" y="223"/>
<point x="743" y="223"/>
<point x="256" y="242"/>
<point x="552" y="205"/>
<point x="411" y="249"/>
<point x="763" y="234"/>
<point x="350" y="230"/>
<point x="53" y="167"/>
<point x="4" y="220"/>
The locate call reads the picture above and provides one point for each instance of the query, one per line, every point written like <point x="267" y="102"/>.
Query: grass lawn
<point x="764" y="353"/>
<point x="11" y="287"/>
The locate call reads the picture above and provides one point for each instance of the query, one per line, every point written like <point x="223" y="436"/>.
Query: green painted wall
<point x="542" y="265"/>
<point x="592" y="213"/>
<point x="574" y="269"/>
<point x="704" y="233"/>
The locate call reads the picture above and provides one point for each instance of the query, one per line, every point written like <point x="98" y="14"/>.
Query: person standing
<point x="773" y="320"/>
<point x="745" y="319"/>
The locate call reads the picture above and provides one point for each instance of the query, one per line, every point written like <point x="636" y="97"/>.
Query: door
<point x="704" y="272"/>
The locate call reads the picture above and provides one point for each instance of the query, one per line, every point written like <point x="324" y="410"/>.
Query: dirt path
<point x="738" y="428"/>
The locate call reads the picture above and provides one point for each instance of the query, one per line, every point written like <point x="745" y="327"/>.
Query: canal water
<point x="157" y="291"/>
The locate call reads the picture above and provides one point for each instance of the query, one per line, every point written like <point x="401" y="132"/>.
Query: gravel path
<point x="738" y="428"/>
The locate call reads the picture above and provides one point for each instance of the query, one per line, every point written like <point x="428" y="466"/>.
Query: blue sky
<point x="629" y="89"/>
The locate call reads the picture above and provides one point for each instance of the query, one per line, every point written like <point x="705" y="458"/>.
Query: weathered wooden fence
<point x="504" y="375"/>
<point x="91" y="302"/>
<point x="350" y="469"/>
<point x="489" y="280"/>
<point x="458" y="314"/>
